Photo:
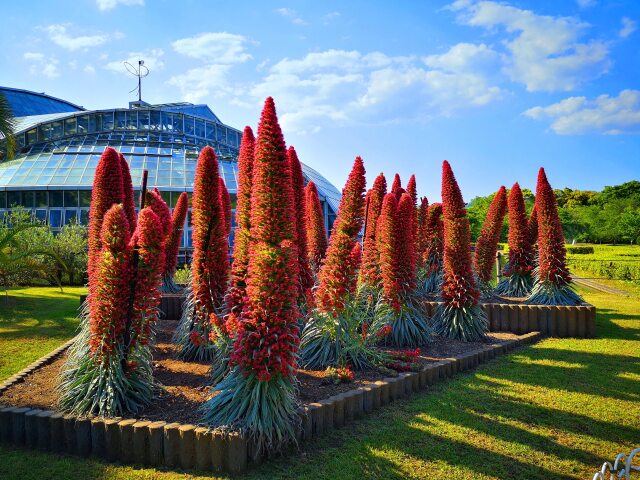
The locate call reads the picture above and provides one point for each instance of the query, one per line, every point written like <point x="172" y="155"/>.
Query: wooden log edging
<point x="553" y="321"/>
<point x="174" y="445"/>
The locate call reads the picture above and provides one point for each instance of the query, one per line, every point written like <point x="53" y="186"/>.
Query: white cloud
<point x="214" y="47"/>
<point x="544" y="52"/>
<point x="351" y="87"/>
<point x="628" y="27"/>
<point x="604" y="114"/>
<point x="464" y="57"/>
<point x="58" y="34"/>
<point x="105" y="5"/>
<point x="153" y="60"/>
<point x="198" y="83"/>
<point x="586" y="3"/>
<point x="292" y="15"/>
<point x="42" y="65"/>
<point x="89" y="69"/>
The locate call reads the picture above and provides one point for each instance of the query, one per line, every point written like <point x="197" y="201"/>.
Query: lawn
<point x="556" y="409"/>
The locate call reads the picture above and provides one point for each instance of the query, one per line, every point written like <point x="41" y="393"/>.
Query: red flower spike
<point x="421" y="230"/>
<point x="173" y="241"/>
<point x="268" y="337"/>
<point x="297" y="183"/>
<point x="434" y="234"/>
<point x="242" y="238"/>
<point x="333" y="283"/>
<point x="533" y="227"/>
<point x="156" y="203"/>
<point x="210" y="264"/>
<point x="552" y="266"/>
<point x="413" y="193"/>
<point x="316" y="231"/>
<point x="225" y="202"/>
<point x="396" y="187"/>
<point x="370" y="271"/>
<point x="520" y="249"/>
<point x="459" y="288"/>
<point x="387" y="244"/>
<point x="111" y="279"/>
<point x="405" y="245"/>
<point x="151" y="261"/>
<point x="107" y="190"/>
<point x="487" y="245"/>
<point x="129" y="201"/>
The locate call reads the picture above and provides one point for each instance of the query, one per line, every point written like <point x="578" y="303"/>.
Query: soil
<point x="184" y="386"/>
<point x="493" y="299"/>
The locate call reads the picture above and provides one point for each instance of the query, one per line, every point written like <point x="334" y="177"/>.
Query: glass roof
<point x="24" y="103"/>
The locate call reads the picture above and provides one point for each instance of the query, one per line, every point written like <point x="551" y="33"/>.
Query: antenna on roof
<point x="141" y="71"/>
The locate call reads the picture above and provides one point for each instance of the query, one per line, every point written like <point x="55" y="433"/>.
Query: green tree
<point x="7" y="128"/>
<point x="70" y="245"/>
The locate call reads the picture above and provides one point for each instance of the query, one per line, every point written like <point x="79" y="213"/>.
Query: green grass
<point x="621" y="262"/>
<point x="34" y="321"/>
<point x="556" y="409"/>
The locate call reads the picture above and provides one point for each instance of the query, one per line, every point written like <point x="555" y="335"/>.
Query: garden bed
<point x="28" y="419"/>
<point x="185" y="386"/>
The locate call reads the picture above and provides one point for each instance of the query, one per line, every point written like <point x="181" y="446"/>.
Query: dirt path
<point x="587" y="282"/>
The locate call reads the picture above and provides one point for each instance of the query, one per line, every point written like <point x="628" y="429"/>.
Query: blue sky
<point x="497" y="88"/>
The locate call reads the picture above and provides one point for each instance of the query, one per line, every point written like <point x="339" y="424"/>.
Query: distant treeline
<point x="609" y="216"/>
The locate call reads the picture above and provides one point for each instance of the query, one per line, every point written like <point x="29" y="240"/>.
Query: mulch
<point x="184" y="386"/>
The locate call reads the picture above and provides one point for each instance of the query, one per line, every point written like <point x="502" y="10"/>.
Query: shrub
<point x="580" y="250"/>
<point x="459" y="316"/>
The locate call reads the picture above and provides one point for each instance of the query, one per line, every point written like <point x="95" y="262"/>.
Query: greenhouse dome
<point x="59" y="145"/>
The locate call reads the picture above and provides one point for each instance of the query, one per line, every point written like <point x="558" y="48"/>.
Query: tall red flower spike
<point x="353" y="265"/>
<point x="459" y="287"/>
<point x="156" y="203"/>
<point x="533" y="227"/>
<point x="225" y="202"/>
<point x="334" y="284"/>
<point x="242" y="238"/>
<point x="552" y="281"/>
<point x="297" y="182"/>
<point x="316" y="231"/>
<point x="487" y="245"/>
<point x="520" y="266"/>
<point x="405" y="242"/>
<point x="173" y="241"/>
<point x="387" y="245"/>
<point x="111" y="279"/>
<point x="151" y="260"/>
<point x="459" y="316"/>
<point x="370" y="271"/>
<point x="210" y="264"/>
<point x="129" y="201"/>
<point x="267" y="338"/>
<point x="107" y="190"/>
<point x="421" y="231"/>
<point x="434" y="234"/>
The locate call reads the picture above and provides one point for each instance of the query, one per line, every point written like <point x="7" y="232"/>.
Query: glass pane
<point x="83" y="124"/>
<point x="14" y="198"/>
<point x="3" y="199"/>
<point x="70" y="198"/>
<point x="55" y="198"/>
<point x="41" y="214"/>
<point x="55" y="218"/>
<point x="85" y="198"/>
<point x="41" y="199"/>
<point x="70" y="216"/>
<point x="107" y="121"/>
<point x="132" y="120"/>
<point x="120" y="120"/>
<point x="29" y="199"/>
<point x="70" y="126"/>
<point x="143" y="120"/>
<point x="84" y="217"/>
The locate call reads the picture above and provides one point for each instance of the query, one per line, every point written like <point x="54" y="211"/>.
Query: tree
<point x="70" y="246"/>
<point x="459" y="316"/>
<point x="7" y="129"/>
